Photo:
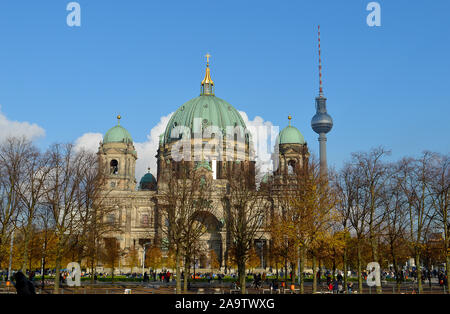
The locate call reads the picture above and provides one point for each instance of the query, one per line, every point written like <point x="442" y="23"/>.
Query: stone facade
<point x="139" y="212"/>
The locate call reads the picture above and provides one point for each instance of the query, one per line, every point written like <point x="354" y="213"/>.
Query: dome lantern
<point x="207" y="87"/>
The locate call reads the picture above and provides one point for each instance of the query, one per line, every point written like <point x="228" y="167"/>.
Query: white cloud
<point x="263" y="134"/>
<point x="89" y="142"/>
<point x="147" y="151"/>
<point x="9" y="128"/>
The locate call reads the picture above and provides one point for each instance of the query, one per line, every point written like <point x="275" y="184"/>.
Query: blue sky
<point x="143" y="59"/>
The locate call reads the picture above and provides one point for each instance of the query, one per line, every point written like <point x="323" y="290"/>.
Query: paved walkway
<point x="213" y="288"/>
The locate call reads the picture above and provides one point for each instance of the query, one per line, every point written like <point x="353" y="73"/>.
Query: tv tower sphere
<point x="321" y="122"/>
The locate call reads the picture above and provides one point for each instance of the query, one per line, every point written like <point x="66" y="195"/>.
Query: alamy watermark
<point x="74" y="17"/>
<point x="233" y="143"/>
<point x="374" y="17"/>
<point x="74" y="274"/>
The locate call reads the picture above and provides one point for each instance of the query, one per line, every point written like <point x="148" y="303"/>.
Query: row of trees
<point x="53" y="202"/>
<point x="370" y="210"/>
<point x="56" y="204"/>
<point x="401" y="206"/>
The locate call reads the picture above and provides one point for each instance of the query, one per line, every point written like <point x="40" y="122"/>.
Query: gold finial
<point x="118" y="119"/>
<point x="290" y="118"/>
<point x="207" y="82"/>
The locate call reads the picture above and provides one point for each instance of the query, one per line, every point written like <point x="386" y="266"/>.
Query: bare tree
<point x="440" y="186"/>
<point x="187" y="205"/>
<point x="46" y="224"/>
<point x="344" y="186"/>
<point x="63" y="196"/>
<point x="13" y="154"/>
<point x="374" y="173"/>
<point x="97" y="209"/>
<point x="358" y="211"/>
<point x="415" y="176"/>
<point x="31" y="191"/>
<point x="396" y="223"/>
<point x="312" y="216"/>
<point x="245" y="217"/>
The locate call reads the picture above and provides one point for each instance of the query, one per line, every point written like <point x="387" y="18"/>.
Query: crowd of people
<point x="334" y="284"/>
<point x="163" y="276"/>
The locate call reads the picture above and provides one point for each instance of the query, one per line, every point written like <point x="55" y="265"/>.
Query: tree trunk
<point x="276" y="266"/>
<point x="241" y="272"/>
<point x="26" y="244"/>
<point x="177" y="271"/>
<point x="57" y="273"/>
<point x="447" y="265"/>
<point x="186" y="275"/>
<point x="301" y="269"/>
<point x="334" y="268"/>
<point x="112" y="272"/>
<point x="92" y="270"/>
<point x="396" y="270"/>
<point x="419" y="272"/>
<point x="360" y="282"/>
<point x="294" y="267"/>
<point x="375" y="259"/>
<point x="345" y="269"/>
<point x="314" y="273"/>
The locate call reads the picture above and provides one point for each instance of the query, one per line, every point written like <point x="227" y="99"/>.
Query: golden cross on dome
<point x="290" y="118"/>
<point x="207" y="57"/>
<point x="118" y="119"/>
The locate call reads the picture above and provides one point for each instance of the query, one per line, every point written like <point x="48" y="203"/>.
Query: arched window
<point x="114" y="166"/>
<point x="291" y="166"/>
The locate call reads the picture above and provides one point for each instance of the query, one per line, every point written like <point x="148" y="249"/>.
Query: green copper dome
<point x="117" y="134"/>
<point x="148" y="178"/>
<point x="208" y="110"/>
<point x="148" y="182"/>
<point x="290" y="135"/>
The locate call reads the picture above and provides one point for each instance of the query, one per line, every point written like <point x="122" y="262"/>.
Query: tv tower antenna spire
<point x="322" y="123"/>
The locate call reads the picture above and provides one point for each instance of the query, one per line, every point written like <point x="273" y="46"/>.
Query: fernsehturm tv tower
<point x="322" y="123"/>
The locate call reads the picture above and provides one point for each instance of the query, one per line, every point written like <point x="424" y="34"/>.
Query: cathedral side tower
<point x="118" y="156"/>
<point x="291" y="153"/>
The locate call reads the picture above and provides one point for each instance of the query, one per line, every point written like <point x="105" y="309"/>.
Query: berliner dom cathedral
<point x="139" y="212"/>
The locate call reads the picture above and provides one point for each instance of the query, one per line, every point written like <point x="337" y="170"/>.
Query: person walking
<point x="339" y="277"/>
<point x="335" y="287"/>
<point x="349" y="287"/>
<point x="328" y="278"/>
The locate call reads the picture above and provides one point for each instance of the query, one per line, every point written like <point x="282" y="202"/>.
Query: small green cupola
<point x="148" y="182"/>
<point x="117" y="134"/>
<point x="290" y="135"/>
